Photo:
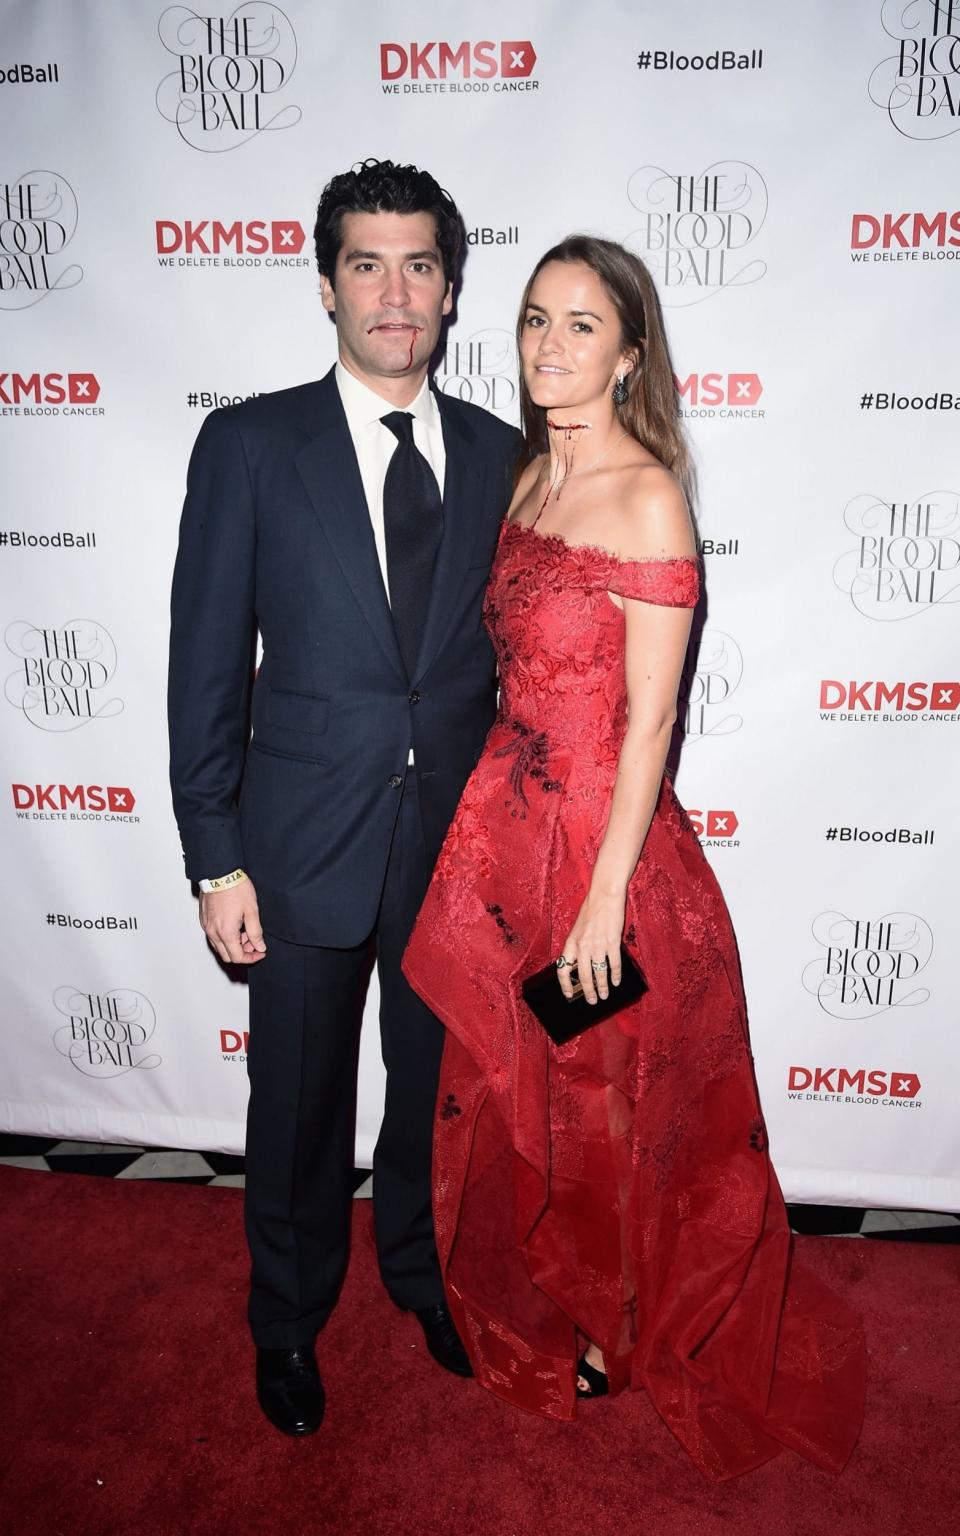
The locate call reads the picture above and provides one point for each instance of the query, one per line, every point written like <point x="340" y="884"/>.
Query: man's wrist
<point x="223" y="882"/>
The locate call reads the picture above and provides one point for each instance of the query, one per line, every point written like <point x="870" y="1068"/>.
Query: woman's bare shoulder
<point x="650" y="516"/>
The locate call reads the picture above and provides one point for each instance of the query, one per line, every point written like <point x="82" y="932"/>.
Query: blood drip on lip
<point x="415" y="332"/>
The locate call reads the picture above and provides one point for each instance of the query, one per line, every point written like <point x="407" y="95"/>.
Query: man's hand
<point x="231" y="921"/>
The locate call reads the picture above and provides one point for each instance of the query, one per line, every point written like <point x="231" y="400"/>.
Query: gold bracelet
<point x="234" y="878"/>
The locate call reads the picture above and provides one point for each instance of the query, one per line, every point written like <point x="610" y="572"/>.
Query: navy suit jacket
<point x="276" y="535"/>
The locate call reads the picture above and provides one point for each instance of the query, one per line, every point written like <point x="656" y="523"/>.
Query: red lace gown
<point x="619" y="1185"/>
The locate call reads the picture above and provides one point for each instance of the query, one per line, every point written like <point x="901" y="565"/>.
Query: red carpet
<point x="126" y="1376"/>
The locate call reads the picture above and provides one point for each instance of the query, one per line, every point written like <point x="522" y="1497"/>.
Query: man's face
<point x="390" y="294"/>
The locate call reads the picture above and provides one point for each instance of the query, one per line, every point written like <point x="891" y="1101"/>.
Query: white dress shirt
<point x="374" y="445"/>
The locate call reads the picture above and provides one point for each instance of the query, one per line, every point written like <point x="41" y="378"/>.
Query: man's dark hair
<point x="379" y="186"/>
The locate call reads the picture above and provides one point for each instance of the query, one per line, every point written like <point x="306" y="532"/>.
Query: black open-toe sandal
<point x="596" y="1381"/>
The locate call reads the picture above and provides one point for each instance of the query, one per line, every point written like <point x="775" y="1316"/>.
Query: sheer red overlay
<point x="620" y="1185"/>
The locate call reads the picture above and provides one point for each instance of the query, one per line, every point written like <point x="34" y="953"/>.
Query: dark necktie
<point x="413" y="524"/>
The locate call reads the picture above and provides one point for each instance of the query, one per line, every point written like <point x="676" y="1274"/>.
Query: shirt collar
<point x="364" y="407"/>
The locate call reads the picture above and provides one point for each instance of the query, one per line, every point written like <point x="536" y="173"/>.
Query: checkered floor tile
<point x="122" y="1162"/>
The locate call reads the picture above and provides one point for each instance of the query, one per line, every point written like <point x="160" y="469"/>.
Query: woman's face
<point x="570" y="348"/>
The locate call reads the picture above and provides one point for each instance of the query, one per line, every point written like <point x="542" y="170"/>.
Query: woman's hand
<point x="594" y="939"/>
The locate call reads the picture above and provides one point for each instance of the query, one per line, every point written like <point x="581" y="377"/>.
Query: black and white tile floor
<point x="121" y="1162"/>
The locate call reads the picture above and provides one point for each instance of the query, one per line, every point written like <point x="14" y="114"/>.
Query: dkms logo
<point x="219" y="243"/>
<point x="715" y="829"/>
<point x="457" y="68"/>
<point x="49" y="394"/>
<point x="229" y="73"/>
<point x="730" y="396"/>
<point x="74" y="802"/>
<point x="234" y="1045"/>
<point x="696" y="229"/>
<point x="918" y="85"/>
<point x="854" y="1085"/>
<point x="877" y="700"/>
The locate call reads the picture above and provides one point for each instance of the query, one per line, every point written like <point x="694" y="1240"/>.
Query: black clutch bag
<point x="563" y="1019"/>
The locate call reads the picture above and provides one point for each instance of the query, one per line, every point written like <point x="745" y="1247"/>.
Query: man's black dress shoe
<point x="289" y="1389"/>
<point x="443" y="1340"/>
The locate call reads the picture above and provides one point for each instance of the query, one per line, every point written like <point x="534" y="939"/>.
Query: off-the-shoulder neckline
<point x="598" y="549"/>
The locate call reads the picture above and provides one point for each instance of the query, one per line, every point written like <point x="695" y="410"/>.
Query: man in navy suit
<point x="353" y="522"/>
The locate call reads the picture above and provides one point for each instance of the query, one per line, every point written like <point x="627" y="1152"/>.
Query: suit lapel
<point x="462" y="492"/>
<point x="328" y="468"/>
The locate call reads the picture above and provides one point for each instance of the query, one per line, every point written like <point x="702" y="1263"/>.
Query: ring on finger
<point x="598" y="965"/>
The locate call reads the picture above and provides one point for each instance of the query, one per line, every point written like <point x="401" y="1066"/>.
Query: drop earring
<point x="621" y="390"/>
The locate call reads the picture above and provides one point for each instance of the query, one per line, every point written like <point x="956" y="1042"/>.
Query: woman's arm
<point x="657" y="524"/>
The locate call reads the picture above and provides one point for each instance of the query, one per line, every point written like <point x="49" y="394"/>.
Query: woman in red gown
<point x="615" y="1192"/>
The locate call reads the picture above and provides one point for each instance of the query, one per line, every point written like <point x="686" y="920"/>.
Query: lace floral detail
<point x="668" y="580"/>
<point x="693" y="921"/>
<point x="530" y="752"/>
<point x="661" y="1156"/>
<point x="724" y="1051"/>
<point x="657" y="1059"/>
<point x="557" y="636"/>
<point x="468" y="849"/>
<point x="758" y="1135"/>
<point x="692" y="978"/>
<point x="676" y="820"/>
<point x="507" y="932"/>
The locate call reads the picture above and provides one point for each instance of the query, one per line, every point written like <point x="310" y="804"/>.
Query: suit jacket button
<point x="395" y="780"/>
<point x="415" y="697"/>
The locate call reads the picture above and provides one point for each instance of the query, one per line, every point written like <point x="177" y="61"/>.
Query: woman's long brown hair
<point x="651" y="411"/>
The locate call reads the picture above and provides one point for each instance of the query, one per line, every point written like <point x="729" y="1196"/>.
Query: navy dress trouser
<point x="306" y="1007"/>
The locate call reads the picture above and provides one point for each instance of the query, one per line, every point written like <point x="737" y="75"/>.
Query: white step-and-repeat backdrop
<point x="790" y="174"/>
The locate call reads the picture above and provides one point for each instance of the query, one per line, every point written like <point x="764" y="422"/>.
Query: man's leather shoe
<point x="443" y="1340"/>
<point x="289" y="1389"/>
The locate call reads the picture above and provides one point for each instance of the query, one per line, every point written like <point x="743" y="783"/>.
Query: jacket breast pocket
<point x="297" y="711"/>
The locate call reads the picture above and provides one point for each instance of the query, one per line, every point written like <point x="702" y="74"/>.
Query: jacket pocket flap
<point x="294" y="711"/>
